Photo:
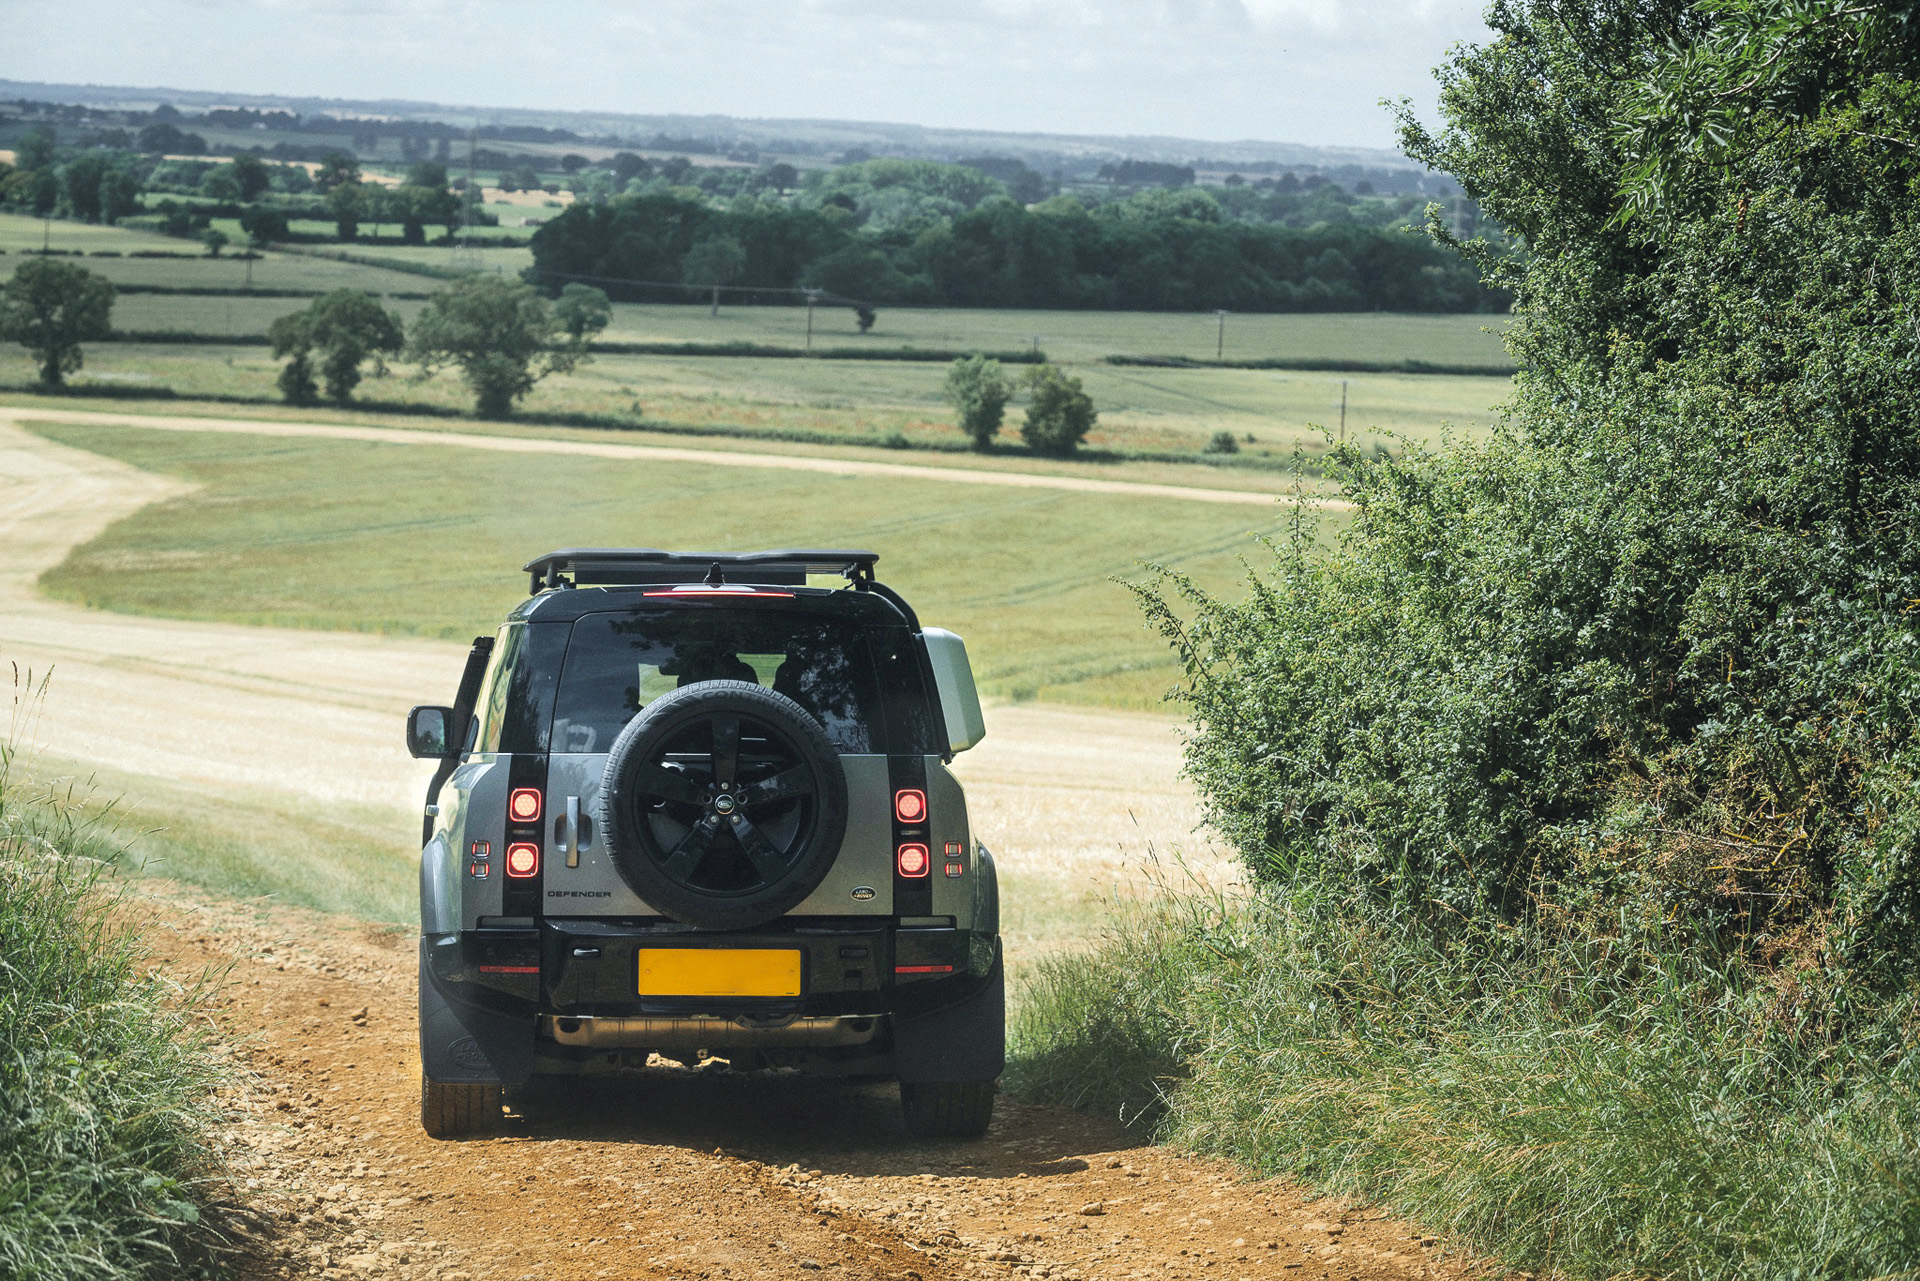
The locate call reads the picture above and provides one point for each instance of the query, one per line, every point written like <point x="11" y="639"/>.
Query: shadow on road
<point x="834" y="1126"/>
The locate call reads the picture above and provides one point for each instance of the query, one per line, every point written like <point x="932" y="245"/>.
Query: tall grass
<point x="105" y="1081"/>
<point x="1625" y="1110"/>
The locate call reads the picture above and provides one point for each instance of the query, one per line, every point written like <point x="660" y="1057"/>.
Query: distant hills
<point x="817" y="140"/>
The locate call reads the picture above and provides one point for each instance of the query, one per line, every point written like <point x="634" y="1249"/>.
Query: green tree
<point x="1059" y="411"/>
<point x="857" y="271"/>
<point x="337" y="169"/>
<point x="40" y="191"/>
<point x="250" y="175"/>
<point x="339" y="332"/>
<point x="51" y="307"/>
<point x="34" y="149"/>
<point x="80" y="184"/>
<point x="215" y="240"/>
<point x="263" y="225"/>
<point x="714" y="261"/>
<point x="501" y="335"/>
<point x="582" y="311"/>
<point x="979" y="390"/>
<point x="119" y="195"/>
<point x="219" y="183"/>
<point x="347" y="202"/>
<point x="426" y="173"/>
<point x="290" y="338"/>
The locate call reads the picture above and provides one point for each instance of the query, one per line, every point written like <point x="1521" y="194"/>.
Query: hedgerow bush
<point x="1578" y="778"/>
<point x="1650" y="659"/>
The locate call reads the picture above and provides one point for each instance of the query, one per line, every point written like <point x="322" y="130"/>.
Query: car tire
<point x="947" y="1109"/>
<point x="458" y="1111"/>
<point x="634" y="811"/>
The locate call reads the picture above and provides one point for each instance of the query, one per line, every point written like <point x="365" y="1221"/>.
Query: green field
<point x="1076" y="336"/>
<point x="1270" y="412"/>
<point x="428" y="542"/>
<point x="860" y="401"/>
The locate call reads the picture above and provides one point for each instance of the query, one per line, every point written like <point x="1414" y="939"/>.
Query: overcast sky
<point x="1307" y="71"/>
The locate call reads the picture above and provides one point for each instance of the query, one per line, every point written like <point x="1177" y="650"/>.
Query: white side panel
<point x="953" y="679"/>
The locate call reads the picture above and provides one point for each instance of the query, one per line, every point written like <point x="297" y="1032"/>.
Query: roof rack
<point x="623" y="566"/>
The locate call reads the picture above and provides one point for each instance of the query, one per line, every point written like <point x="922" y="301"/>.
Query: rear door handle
<point x="573" y="831"/>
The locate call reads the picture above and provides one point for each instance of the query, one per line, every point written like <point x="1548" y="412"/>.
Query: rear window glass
<point x="516" y="698"/>
<point x="618" y="663"/>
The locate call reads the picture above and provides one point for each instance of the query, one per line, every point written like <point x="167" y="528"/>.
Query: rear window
<point x="517" y="695"/>
<point x="616" y="664"/>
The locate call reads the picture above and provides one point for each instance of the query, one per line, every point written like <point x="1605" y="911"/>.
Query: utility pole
<point x="714" y="311"/>
<point x="811" y="294"/>
<point x="1220" y="343"/>
<point x="1343" y="411"/>
<point x="1035" y="340"/>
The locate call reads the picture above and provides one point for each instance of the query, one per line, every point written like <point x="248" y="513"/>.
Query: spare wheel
<point x="723" y="804"/>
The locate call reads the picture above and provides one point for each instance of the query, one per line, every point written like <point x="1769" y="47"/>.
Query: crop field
<point x="858" y="401"/>
<point x="343" y="536"/>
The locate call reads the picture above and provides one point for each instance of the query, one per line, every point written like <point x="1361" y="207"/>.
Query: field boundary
<point x="1313" y="364"/>
<point x="1302" y="465"/>
<point x="657" y="453"/>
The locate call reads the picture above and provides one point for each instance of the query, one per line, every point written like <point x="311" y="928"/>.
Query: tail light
<point x="523" y="806"/>
<point x="912" y="860"/>
<point x="523" y="860"/>
<point x="910" y="805"/>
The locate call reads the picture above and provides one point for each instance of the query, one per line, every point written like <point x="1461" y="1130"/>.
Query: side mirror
<point x="430" y="732"/>
<point x="953" y="681"/>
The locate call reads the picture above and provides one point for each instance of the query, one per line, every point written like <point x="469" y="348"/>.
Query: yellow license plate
<point x="713" y="971"/>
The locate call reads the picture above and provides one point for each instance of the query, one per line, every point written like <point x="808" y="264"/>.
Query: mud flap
<point x="463" y="1044"/>
<point x="962" y="1042"/>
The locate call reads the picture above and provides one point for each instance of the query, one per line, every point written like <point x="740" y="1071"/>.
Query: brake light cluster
<point x="914" y="860"/>
<point x="523" y="857"/>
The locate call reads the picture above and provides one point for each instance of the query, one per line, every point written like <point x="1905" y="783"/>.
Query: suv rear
<point x="692" y="805"/>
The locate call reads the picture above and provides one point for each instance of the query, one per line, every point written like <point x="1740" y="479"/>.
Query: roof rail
<point x="622" y="566"/>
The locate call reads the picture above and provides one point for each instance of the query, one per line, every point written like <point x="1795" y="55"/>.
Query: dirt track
<point x="695" y="1173"/>
<point x="682" y="1173"/>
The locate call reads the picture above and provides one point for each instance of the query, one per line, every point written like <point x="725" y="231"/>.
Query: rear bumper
<point x="581" y="969"/>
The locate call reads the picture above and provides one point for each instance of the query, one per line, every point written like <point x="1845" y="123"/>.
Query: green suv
<point x="699" y="806"/>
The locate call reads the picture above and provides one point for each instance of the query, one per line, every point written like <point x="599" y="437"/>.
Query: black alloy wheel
<point x="724" y="804"/>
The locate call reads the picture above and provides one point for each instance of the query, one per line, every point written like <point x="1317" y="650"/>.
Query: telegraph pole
<point x="811" y="294"/>
<point x="1220" y="343"/>
<point x="1343" y="411"/>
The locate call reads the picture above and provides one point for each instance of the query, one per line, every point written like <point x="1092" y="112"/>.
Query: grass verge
<point x="1555" y="1105"/>
<point x="105" y="1082"/>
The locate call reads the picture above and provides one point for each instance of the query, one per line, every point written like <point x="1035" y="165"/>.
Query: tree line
<point x="1158" y="250"/>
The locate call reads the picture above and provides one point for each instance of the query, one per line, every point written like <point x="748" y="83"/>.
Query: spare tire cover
<point x="723" y="804"/>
